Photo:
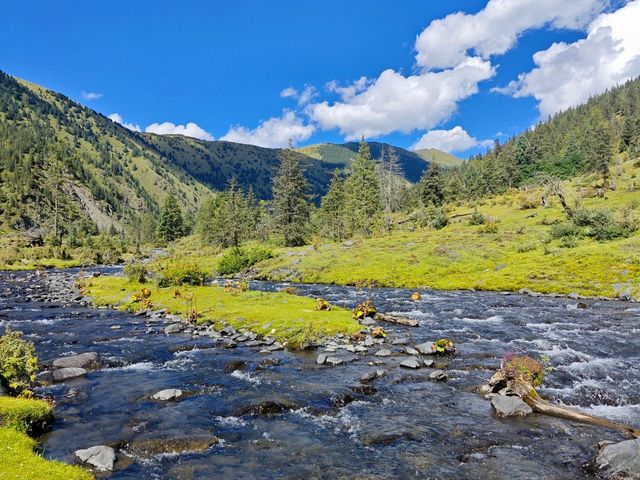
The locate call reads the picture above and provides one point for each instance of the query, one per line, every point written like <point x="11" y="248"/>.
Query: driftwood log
<point x="501" y="385"/>
<point x="408" y="322"/>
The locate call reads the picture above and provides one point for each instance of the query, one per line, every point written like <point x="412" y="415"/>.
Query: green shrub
<point x="569" y="242"/>
<point x="439" y="220"/>
<point x="598" y="217"/>
<point x="526" y="247"/>
<point x="18" y="362"/>
<point x="235" y="260"/>
<point x="565" y="229"/>
<point x="180" y="273"/>
<point x="603" y="225"/>
<point x="136" y="272"/>
<point x="476" y="218"/>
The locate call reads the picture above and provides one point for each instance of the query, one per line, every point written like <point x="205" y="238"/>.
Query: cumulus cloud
<point x="166" y="128"/>
<point x="272" y="133"/>
<point x="302" y="97"/>
<point x="495" y="29"/>
<point x="393" y="102"/>
<point x="189" y="130"/>
<point x="567" y="74"/>
<point x="91" y="95"/>
<point x="116" y="117"/>
<point x="455" y="140"/>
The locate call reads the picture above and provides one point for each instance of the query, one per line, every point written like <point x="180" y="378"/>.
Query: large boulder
<point x="88" y="361"/>
<point x="619" y="460"/>
<point x="100" y="457"/>
<point x="63" y="374"/>
<point x="510" y="406"/>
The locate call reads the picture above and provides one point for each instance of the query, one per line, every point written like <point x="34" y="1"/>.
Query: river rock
<point x="63" y="374"/>
<point x="425" y="348"/>
<point x="173" y="328"/>
<point x="383" y="352"/>
<point x="619" y="460"/>
<point x="410" y="363"/>
<point x="333" y="361"/>
<point x="150" y="448"/>
<point x="438" y="376"/>
<point x="88" y="361"/>
<point x="100" y="457"/>
<point x="168" y="394"/>
<point x="510" y="406"/>
<point x="428" y="363"/>
<point x="321" y="358"/>
<point x="411" y="351"/>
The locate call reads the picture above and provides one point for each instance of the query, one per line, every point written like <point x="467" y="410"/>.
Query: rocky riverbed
<point x="166" y="400"/>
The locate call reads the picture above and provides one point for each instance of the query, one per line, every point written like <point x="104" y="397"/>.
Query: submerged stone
<point x="168" y="394"/>
<point x="63" y="374"/>
<point x="438" y="376"/>
<point x="383" y="352"/>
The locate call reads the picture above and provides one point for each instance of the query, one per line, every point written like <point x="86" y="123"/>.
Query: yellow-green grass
<point x="463" y="256"/>
<point x="291" y="319"/>
<point x="18" y="461"/>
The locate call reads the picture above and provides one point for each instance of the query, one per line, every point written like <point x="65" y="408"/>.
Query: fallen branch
<point x="501" y="385"/>
<point x="408" y="322"/>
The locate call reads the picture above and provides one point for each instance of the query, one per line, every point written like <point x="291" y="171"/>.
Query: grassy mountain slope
<point x="214" y="163"/>
<point x="433" y="155"/>
<point x="57" y="155"/>
<point x="512" y="250"/>
<point x="341" y="155"/>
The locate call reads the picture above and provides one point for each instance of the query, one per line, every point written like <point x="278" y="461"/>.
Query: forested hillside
<point x="65" y="167"/>
<point x="580" y="140"/>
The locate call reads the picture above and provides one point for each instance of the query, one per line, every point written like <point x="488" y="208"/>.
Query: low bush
<point x="25" y="414"/>
<point x="565" y="230"/>
<point x="180" y="273"/>
<point x="236" y="260"/>
<point x="18" y="362"/>
<point x="524" y="368"/>
<point x="477" y="218"/>
<point x="137" y="272"/>
<point x="603" y="225"/>
<point x="526" y="247"/>
<point x="439" y="220"/>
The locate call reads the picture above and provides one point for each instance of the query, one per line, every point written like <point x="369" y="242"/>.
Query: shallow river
<point x="405" y="427"/>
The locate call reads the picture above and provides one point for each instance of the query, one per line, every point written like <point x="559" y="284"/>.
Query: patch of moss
<point x="291" y="319"/>
<point x="25" y="415"/>
<point x="18" y="461"/>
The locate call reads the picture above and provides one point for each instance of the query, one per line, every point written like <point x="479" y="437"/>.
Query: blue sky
<point x="225" y="65"/>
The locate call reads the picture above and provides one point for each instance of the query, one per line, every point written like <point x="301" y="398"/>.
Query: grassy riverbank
<point x="18" y="461"/>
<point x="513" y="248"/>
<point x="291" y="319"/>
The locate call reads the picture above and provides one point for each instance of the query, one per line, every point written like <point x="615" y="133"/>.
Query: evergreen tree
<point x="391" y="183"/>
<point x="432" y="186"/>
<point x="290" y="206"/>
<point x="362" y="192"/>
<point x="600" y="142"/>
<point x="332" y="209"/>
<point x="170" y="224"/>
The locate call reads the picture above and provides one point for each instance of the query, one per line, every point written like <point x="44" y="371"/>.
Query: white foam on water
<point x="495" y="319"/>
<point x="623" y="413"/>
<point x="246" y="377"/>
<point x="140" y="366"/>
<point x="231" y="421"/>
<point x="179" y="364"/>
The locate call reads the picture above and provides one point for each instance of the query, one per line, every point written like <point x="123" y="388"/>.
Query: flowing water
<point x="331" y="427"/>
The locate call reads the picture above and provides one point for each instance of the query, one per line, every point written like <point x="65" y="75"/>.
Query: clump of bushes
<point x="364" y="310"/>
<point x="181" y="273"/>
<point x="136" y="272"/>
<point x="526" y="247"/>
<point x="599" y="223"/>
<point x="477" y="218"/>
<point x="18" y="362"/>
<point x="524" y="368"/>
<point x="238" y="259"/>
<point x="322" y="304"/>
<point x="443" y="346"/>
<point x="439" y="219"/>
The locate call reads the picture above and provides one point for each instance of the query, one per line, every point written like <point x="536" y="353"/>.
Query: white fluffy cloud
<point x="393" y="102"/>
<point x="189" y="130"/>
<point x="568" y="74"/>
<point x="116" y="117"/>
<point x="496" y="28"/>
<point x="91" y="95"/>
<point x="166" y="128"/>
<point x="303" y="97"/>
<point x="455" y="140"/>
<point x="272" y="133"/>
